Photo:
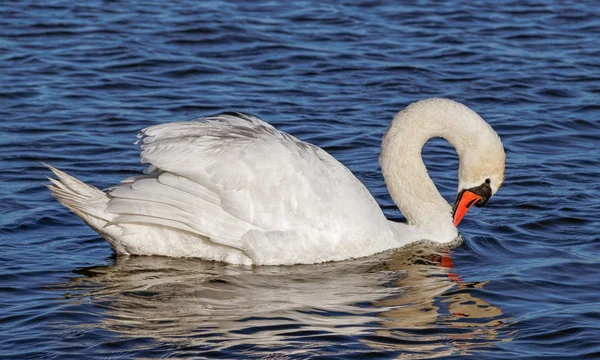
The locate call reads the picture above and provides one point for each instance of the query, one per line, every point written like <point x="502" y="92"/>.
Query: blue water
<point x="79" y="80"/>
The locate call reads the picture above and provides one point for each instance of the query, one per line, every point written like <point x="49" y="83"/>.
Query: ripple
<point x="80" y="80"/>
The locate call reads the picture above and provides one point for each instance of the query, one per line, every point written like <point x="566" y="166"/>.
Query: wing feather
<point x="224" y="176"/>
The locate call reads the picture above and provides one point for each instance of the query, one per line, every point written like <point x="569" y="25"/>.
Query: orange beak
<point x="463" y="203"/>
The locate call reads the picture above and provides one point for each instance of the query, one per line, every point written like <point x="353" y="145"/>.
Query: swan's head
<point x="481" y="171"/>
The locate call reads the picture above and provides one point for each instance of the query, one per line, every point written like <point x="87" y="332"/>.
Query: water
<point x="78" y="81"/>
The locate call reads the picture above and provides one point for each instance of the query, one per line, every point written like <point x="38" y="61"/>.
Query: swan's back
<point x="255" y="194"/>
<point x="262" y="176"/>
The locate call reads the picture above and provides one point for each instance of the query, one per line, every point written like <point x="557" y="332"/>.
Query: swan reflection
<point x="403" y="301"/>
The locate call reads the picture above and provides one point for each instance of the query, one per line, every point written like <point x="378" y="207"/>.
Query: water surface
<point x="79" y="80"/>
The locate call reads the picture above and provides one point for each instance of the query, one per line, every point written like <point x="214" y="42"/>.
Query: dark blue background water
<point x="78" y="81"/>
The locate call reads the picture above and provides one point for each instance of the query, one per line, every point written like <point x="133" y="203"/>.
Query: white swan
<point x="232" y="188"/>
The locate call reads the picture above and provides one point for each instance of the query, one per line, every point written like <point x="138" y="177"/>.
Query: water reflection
<point x="408" y="301"/>
<point x="439" y="313"/>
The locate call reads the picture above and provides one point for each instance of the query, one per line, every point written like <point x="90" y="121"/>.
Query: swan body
<point x="232" y="188"/>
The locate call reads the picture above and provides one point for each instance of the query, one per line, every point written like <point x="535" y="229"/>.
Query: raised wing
<point x="228" y="175"/>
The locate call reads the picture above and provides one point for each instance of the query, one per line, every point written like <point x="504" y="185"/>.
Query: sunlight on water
<point x="80" y="79"/>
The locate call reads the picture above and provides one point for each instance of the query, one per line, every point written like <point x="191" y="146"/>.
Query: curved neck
<point x="405" y="174"/>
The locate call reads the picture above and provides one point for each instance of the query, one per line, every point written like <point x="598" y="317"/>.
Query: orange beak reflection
<point x="464" y="200"/>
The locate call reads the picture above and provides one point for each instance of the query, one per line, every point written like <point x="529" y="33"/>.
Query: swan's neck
<point x="405" y="174"/>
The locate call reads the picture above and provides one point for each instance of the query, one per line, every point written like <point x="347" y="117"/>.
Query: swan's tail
<point x="86" y="201"/>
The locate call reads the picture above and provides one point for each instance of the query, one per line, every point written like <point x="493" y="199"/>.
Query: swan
<point x="232" y="188"/>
